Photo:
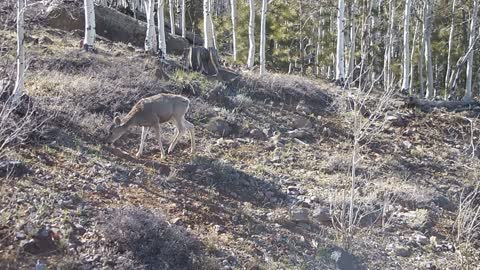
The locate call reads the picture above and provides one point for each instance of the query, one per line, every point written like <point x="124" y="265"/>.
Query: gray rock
<point x="257" y="134"/>
<point x="40" y="266"/>
<point x="293" y="190"/>
<point x="219" y="127"/>
<point x="299" y="214"/>
<point x="421" y="239"/>
<point x="20" y="236"/>
<point x="299" y="121"/>
<point x="13" y="168"/>
<point x="322" y="214"/>
<point x="403" y="251"/>
<point x="421" y="219"/>
<point x="343" y="260"/>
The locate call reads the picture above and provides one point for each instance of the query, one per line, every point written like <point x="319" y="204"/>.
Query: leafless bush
<point x="467" y="223"/>
<point x="151" y="240"/>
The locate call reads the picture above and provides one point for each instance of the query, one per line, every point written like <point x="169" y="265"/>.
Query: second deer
<point x="151" y="112"/>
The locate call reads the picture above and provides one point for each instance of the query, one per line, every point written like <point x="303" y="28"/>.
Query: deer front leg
<point x="157" y="132"/>
<point x="142" y="141"/>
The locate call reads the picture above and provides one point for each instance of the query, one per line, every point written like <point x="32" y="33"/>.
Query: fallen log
<point x="455" y="106"/>
<point x="112" y="25"/>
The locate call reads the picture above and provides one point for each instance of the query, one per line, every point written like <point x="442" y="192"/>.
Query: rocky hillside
<point x="268" y="187"/>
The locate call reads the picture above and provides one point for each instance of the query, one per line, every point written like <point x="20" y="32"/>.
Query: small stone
<point x="299" y="214"/>
<point x="100" y="188"/>
<point x="421" y="239"/>
<point x="402" y="251"/>
<point x="299" y="121"/>
<point x="40" y="266"/>
<point x="20" y="236"/>
<point x="257" y="134"/>
<point x="293" y="190"/>
<point x="219" y="228"/>
<point x="407" y="144"/>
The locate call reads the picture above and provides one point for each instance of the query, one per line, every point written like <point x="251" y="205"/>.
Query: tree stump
<point x="203" y="60"/>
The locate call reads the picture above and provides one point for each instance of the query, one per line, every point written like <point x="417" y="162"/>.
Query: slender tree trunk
<point x="263" y="36"/>
<point x="151" y="37"/>
<point x="319" y="44"/>
<point x="406" y="46"/>
<point x="207" y="28"/>
<point x="365" y="42"/>
<point x="89" y="40"/>
<point x="412" y="54"/>
<point x="19" y="82"/>
<point x="233" y="4"/>
<point x="251" y="36"/>
<point x="340" y="56"/>
<point x="210" y="22"/>
<point x="172" y="16"/>
<point x="162" y="43"/>
<point x="427" y="32"/>
<point x="353" y="37"/>
<point x="300" y="39"/>
<point x="184" y="27"/>
<point x="473" y="25"/>
<point x="450" y="44"/>
<point x="387" y="66"/>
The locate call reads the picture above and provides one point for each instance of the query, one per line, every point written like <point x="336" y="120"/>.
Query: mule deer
<point x="151" y="112"/>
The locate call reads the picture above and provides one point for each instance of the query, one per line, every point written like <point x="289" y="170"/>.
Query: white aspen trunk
<point x="251" y="36"/>
<point x="353" y="37"/>
<point x="263" y="37"/>
<point x="449" y="55"/>
<point x="162" y="43"/>
<point x="184" y="27"/>
<point x="89" y="40"/>
<point x="319" y="45"/>
<point x="151" y="38"/>
<point x="172" y="16"/>
<point x="406" y="45"/>
<point x="387" y="66"/>
<point x="410" y="83"/>
<point x="233" y="4"/>
<point x="207" y="25"/>
<point x="472" y="36"/>
<point x="340" y="56"/>
<point x="212" y="27"/>
<point x="427" y="32"/>
<point x="19" y="82"/>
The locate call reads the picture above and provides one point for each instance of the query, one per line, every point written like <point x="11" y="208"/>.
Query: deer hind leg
<point x="178" y="132"/>
<point x="191" y="130"/>
<point x="142" y="140"/>
<point x="159" y="138"/>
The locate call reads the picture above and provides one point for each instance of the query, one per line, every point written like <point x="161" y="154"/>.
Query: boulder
<point x="299" y="214"/>
<point x="219" y="127"/>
